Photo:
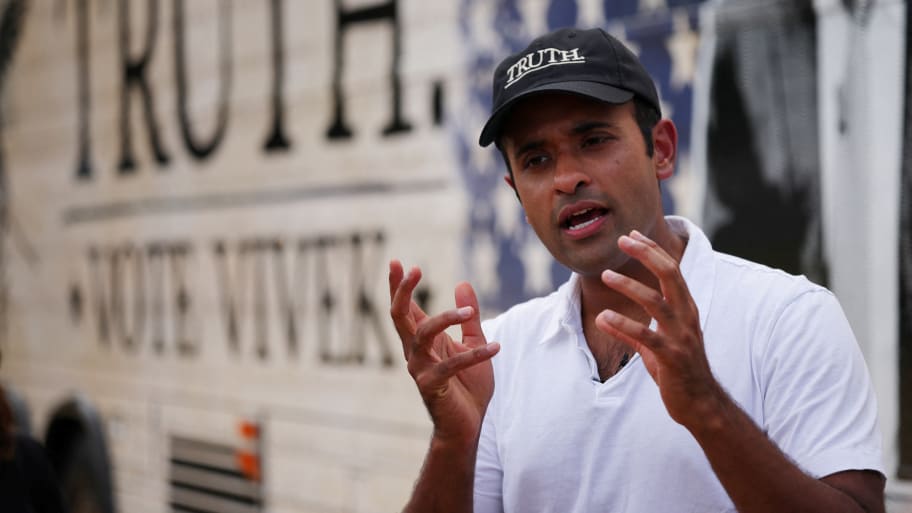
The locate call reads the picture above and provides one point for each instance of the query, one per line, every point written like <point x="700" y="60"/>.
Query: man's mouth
<point x="583" y="219"/>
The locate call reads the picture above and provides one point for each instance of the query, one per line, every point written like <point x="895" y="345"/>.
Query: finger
<point x="647" y="297"/>
<point x="405" y="313"/>
<point x="611" y="323"/>
<point x="401" y="290"/>
<point x="449" y="367"/>
<point x="659" y="263"/>
<point x="434" y="325"/>
<point x="472" y="335"/>
<point x="396" y="273"/>
<point x="636" y="335"/>
<point x="401" y="299"/>
<point x="395" y="282"/>
<point x="462" y="361"/>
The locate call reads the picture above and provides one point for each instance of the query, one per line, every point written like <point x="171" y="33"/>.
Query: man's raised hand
<point x="673" y="354"/>
<point x="455" y="379"/>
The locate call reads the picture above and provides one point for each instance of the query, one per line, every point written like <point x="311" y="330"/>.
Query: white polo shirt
<point x="556" y="439"/>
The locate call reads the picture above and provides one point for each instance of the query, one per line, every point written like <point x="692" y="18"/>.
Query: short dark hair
<point x="646" y="118"/>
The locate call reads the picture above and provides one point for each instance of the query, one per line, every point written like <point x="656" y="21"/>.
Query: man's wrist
<point x="714" y="413"/>
<point x="455" y="443"/>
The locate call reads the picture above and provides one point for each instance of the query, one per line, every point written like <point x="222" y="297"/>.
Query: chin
<point x="595" y="267"/>
<point x="590" y="257"/>
<point x="588" y="268"/>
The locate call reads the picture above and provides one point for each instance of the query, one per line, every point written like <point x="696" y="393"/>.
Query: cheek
<point x="535" y="207"/>
<point x="530" y="194"/>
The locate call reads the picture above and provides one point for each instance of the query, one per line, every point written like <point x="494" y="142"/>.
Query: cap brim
<point x="595" y="90"/>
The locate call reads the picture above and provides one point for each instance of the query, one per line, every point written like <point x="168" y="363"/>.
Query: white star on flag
<point x="682" y="47"/>
<point x="652" y="5"/>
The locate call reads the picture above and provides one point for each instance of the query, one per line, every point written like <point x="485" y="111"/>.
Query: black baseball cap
<point x="586" y="62"/>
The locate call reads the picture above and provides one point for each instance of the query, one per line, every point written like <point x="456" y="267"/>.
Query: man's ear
<point x="665" y="148"/>
<point x="509" y="179"/>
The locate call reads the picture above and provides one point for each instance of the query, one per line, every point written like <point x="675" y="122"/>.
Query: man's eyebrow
<point x="529" y="146"/>
<point x="586" y="126"/>
<point x="580" y="128"/>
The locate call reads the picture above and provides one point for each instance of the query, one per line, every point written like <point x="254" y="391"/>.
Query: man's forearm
<point x="447" y="478"/>
<point x="756" y="474"/>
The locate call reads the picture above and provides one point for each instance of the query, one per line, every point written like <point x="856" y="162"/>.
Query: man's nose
<point x="570" y="174"/>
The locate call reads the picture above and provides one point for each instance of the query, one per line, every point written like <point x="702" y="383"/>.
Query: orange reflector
<point x="249" y="464"/>
<point x="249" y="430"/>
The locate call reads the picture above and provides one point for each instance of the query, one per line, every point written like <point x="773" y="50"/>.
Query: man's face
<point x="582" y="174"/>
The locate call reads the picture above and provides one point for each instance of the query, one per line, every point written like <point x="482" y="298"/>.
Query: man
<point x="663" y="377"/>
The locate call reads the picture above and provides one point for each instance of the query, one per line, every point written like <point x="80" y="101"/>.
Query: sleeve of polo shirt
<point x="488" y="472"/>
<point x="819" y="405"/>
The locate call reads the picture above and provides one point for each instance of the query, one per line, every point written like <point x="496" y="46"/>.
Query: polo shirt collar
<point x="697" y="266"/>
<point x="565" y="311"/>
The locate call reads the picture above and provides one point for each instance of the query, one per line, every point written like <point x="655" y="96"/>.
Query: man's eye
<point x="535" y="161"/>
<point x="595" y="140"/>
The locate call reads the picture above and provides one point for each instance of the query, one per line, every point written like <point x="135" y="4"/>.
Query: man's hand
<point x="673" y="354"/>
<point x="455" y="379"/>
<point x="754" y="472"/>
